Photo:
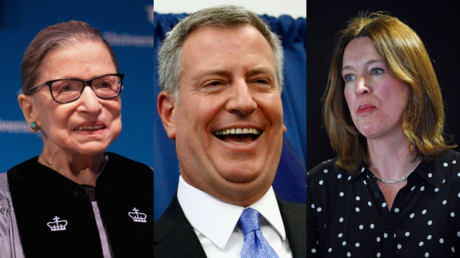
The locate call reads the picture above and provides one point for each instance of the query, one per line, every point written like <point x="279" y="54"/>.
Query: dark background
<point x="437" y="24"/>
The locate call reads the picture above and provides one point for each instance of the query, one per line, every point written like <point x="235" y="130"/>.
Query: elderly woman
<point x="394" y="189"/>
<point x="75" y="199"/>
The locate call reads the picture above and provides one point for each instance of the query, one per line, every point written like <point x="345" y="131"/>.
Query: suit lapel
<point x="295" y="222"/>
<point x="174" y="235"/>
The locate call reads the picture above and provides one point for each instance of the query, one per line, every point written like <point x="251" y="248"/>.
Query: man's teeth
<point x="89" y="128"/>
<point x="238" y="131"/>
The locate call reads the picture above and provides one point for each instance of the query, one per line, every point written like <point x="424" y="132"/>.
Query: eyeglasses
<point x="107" y="86"/>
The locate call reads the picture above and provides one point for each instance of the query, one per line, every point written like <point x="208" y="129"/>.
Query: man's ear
<point x="165" y="107"/>
<point x="28" y="109"/>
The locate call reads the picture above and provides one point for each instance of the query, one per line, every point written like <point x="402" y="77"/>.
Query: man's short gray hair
<point x="170" y="54"/>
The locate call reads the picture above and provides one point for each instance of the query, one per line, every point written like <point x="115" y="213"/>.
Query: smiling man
<point x="221" y="79"/>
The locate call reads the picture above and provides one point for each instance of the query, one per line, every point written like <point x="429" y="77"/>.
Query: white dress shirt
<point x="215" y="222"/>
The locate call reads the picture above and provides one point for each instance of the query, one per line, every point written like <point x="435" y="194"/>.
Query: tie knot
<point x="249" y="220"/>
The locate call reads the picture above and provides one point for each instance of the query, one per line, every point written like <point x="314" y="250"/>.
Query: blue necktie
<point x="255" y="245"/>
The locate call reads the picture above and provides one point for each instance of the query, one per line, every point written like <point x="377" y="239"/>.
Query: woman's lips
<point x="365" y="109"/>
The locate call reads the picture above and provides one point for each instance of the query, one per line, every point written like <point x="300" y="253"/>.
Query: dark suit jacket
<point x="175" y="237"/>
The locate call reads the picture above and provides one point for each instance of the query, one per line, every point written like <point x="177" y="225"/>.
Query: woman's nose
<point x="362" y="86"/>
<point x="89" y="101"/>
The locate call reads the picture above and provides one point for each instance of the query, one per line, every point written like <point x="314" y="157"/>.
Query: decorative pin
<point x="57" y="225"/>
<point x="138" y="217"/>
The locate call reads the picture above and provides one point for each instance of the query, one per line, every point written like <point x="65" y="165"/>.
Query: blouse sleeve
<point x="312" y="228"/>
<point x="10" y="243"/>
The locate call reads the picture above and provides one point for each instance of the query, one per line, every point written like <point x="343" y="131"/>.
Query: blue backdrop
<point x="290" y="181"/>
<point x="126" y="25"/>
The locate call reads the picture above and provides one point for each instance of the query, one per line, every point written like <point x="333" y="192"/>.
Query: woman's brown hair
<point x="406" y="58"/>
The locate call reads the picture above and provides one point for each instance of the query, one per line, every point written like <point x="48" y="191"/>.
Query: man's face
<point x="228" y="123"/>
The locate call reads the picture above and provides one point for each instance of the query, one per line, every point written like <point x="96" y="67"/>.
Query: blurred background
<point x="126" y="25"/>
<point x="436" y="22"/>
<point x="288" y="20"/>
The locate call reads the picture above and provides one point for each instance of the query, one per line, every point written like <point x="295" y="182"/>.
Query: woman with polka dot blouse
<point x="394" y="189"/>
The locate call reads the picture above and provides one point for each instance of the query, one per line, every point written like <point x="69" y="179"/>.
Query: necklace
<point x="47" y="163"/>
<point x="395" y="181"/>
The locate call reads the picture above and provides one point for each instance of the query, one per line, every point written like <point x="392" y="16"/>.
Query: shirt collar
<point x="358" y="173"/>
<point x="216" y="219"/>
<point x="435" y="170"/>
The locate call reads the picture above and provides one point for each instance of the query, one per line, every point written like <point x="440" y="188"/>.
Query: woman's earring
<point x="34" y="126"/>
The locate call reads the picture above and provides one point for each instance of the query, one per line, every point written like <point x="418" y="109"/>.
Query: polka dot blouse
<point x="347" y="215"/>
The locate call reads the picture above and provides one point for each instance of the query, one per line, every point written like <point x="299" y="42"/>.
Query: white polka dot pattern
<point x="360" y="223"/>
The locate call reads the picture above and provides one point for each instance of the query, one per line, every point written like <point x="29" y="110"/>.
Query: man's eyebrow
<point x="372" y="61"/>
<point x="211" y="72"/>
<point x="224" y="72"/>
<point x="259" y="71"/>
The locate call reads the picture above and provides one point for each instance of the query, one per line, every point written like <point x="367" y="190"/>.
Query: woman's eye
<point x="349" y="77"/>
<point x="66" y="88"/>
<point x="377" y="71"/>
<point x="105" y="85"/>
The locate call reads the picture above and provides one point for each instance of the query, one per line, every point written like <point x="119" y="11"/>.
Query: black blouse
<point x="347" y="215"/>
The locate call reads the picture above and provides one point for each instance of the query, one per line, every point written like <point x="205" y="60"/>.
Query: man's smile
<point x="238" y="135"/>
